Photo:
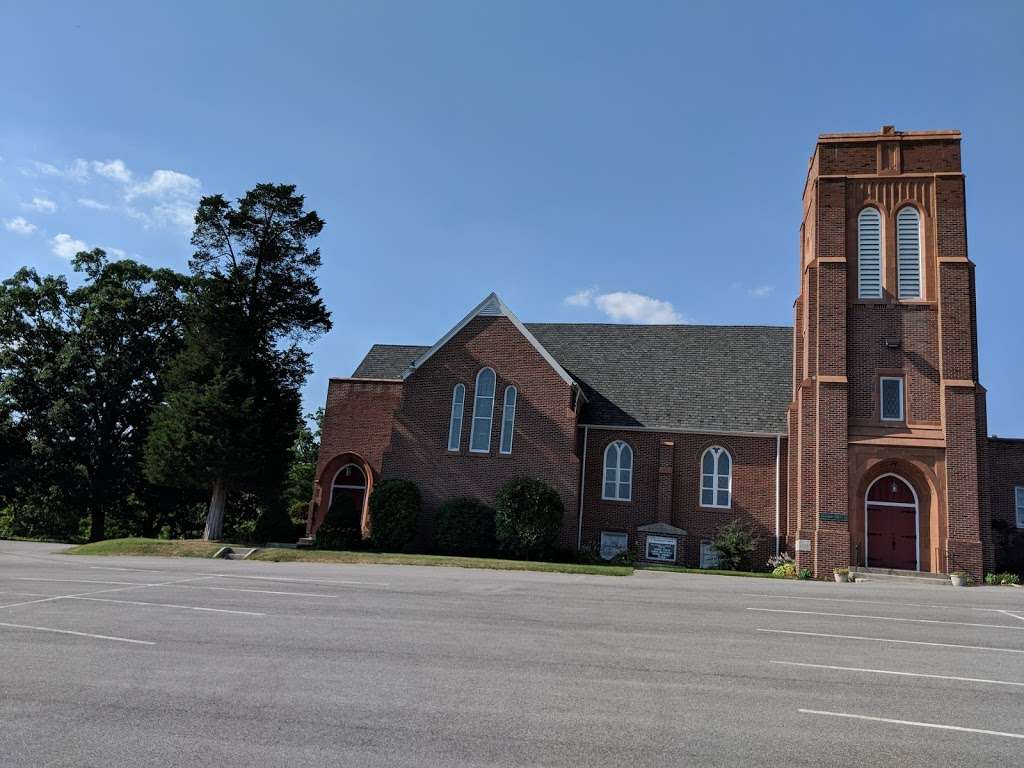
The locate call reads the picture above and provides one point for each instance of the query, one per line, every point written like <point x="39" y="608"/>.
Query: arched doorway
<point x="350" y="481"/>
<point x="893" y="524"/>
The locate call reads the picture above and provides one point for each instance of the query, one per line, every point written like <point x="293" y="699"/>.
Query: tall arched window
<point x="908" y="252"/>
<point x="508" y="418"/>
<point x="455" y="422"/>
<point x="869" y="254"/>
<point x="716" y="478"/>
<point x="348" y="491"/>
<point x="483" y="412"/>
<point x="618" y="472"/>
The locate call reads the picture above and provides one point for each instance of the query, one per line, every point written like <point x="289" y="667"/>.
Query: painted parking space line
<point x="77" y="634"/>
<point x="887" y="618"/>
<point x="896" y="673"/>
<point x="914" y="723"/>
<point x="877" y="602"/>
<point x="1014" y="615"/>
<point x="343" y="582"/>
<point x="258" y="591"/>
<point x="79" y="581"/>
<point x="100" y="592"/>
<point x="133" y="570"/>
<point x="23" y="594"/>
<point x="891" y="640"/>
<point x="165" y="605"/>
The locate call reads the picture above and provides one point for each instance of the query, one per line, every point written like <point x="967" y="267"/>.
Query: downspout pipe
<point x="778" y="456"/>
<point x="583" y="485"/>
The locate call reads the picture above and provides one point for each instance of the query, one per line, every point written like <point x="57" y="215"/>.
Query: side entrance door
<point x="892" y="520"/>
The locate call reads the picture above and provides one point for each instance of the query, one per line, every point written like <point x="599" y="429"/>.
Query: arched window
<point x="716" y="478"/>
<point x="483" y="412"/>
<point x="455" y="423"/>
<point x="508" y="419"/>
<point x="869" y="254"/>
<point x="618" y="472"/>
<point x="908" y="251"/>
<point x="348" y="491"/>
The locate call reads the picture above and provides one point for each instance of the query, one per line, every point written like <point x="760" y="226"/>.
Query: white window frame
<point x="618" y="446"/>
<point x="617" y="535"/>
<point x="1018" y="498"/>
<point x="508" y="419"/>
<point x="477" y="416"/>
<point x="863" y="251"/>
<point x="717" y="451"/>
<point x="905" y="254"/>
<point x="348" y="486"/>
<point x="661" y="540"/>
<point x="455" y="418"/>
<point x="881" y="398"/>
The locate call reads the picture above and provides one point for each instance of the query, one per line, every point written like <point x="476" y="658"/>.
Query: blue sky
<point x="543" y="150"/>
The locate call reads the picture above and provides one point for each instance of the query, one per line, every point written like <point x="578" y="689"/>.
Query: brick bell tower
<point x="887" y="426"/>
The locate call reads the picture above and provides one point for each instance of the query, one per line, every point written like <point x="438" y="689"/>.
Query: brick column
<point x="665" y="464"/>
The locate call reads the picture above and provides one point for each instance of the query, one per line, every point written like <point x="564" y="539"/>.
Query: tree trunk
<point x="215" y="514"/>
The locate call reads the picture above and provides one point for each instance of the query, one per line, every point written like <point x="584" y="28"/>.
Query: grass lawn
<point x="158" y="547"/>
<point x="706" y="571"/>
<point x="200" y="548"/>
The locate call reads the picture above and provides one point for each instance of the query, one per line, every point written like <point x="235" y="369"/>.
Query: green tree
<point x="302" y="469"/>
<point x="79" y="374"/>
<point x="528" y="517"/>
<point x="231" y="415"/>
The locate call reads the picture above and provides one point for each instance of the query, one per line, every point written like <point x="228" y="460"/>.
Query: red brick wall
<point x="1005" y="472"/>
<point x="544" y="445"/>
<point x="753" y="489"/>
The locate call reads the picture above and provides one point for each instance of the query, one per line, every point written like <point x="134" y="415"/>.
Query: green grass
<point x="150" y="547"/>
<point x="387" y="558"/>
<point x="706" y="571"/>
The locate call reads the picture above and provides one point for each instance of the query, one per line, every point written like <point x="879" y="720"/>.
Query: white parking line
<point x="913" y="722"/>
<point x="133" y="570"/>
<point x="1014" y="615"/>
<point x="81" y="581"/>
<point x="23" y="594"/>
<point x="99" y="592"/>
<point x="887" y="618"/>
<point x="344" y="582"/>
<point x="877" y="602"/>
<point x="899" y="674"/>
<point x="78" y="634"/>
<point x="166" y="605"/>
<point x="259" y="591"/>
<point x="890" y="640"/>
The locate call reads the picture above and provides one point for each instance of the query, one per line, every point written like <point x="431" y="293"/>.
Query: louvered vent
<point x="908" y="252"/>
<point x="869" y="254"/>
<point x="491" y="309"/>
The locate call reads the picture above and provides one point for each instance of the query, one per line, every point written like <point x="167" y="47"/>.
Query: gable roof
<point x="692" y="378"/>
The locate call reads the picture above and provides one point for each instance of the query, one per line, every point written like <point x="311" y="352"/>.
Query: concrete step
<point x="896" y="575"/>
<point x="235" y="553"/>
<point x="305" y="541"/>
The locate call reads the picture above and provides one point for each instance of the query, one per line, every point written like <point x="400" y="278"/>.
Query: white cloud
<point x="78" y="170"/>
<point x="626" y="306"/>
<point x="66" y="246"/>
<point x="116" y="252"/>
<point x="163" y="185"/>
<point x="113" y="169"/>
<point x="19" y="226"/>
<point x="761" y="291"/>
<point x="96" y="205"/>
<point x="181" y="214"/>
<point x="40" y="205"/>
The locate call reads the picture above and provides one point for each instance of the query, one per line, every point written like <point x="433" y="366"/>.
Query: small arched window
<point x="869" y="254"/>
<point x="618" y="472"/>
<point x="908" y="251"/>
<point x="716" y="478"/>
<point x="483" y="412"/>
<point x="455" y="422"/>
<point x="508" y="419"/>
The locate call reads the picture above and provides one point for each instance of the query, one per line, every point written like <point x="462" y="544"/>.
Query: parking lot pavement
<point x="189" y="662"/>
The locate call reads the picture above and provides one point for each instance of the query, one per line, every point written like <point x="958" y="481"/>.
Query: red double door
<point x="892" y="524"/>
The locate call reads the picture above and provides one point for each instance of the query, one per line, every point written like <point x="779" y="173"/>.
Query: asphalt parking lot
<point x="188" y="662"/>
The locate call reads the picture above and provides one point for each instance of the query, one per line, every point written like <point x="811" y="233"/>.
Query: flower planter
<point x="842" y="578"/>
<point x="957" y="580"/>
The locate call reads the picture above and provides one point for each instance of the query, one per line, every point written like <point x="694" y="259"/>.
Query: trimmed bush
<point x="464" y="526"/>
<point x="394" y="507"/>
<point x="274" y="524"/>
<point x="341" y="526"/>
<point x="528" y="518"/>
<point x="735" y="545"/>
<point x="785" y="571"/>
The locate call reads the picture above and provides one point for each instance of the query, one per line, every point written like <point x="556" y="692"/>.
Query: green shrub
<point x="394" y="508"/>
<point x="735" y="545"/>
<point x="785" y="571"/>
<point x="274" y="524"/>
<point x="805" y="573"/>
<point x="464" y="526"/>
<point x="528" y="517"/>
<point x="341" y="526"/>
<point x="1002" y="578"/>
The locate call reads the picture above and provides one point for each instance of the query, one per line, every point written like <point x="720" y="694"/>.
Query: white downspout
<point x="778" y="451"/>
<point x="583" y="485"/>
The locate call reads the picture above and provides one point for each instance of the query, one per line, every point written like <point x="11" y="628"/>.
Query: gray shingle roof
<point x="692" y="377"/>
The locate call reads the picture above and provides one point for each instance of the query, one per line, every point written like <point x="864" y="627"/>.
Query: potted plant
<point x="842" y="575"/>
<point x="960" y="578"/>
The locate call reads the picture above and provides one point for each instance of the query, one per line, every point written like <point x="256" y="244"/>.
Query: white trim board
<point x="492" y="306"/>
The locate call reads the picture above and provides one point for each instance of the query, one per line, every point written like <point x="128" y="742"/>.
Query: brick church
<point x="857" y="436"/>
